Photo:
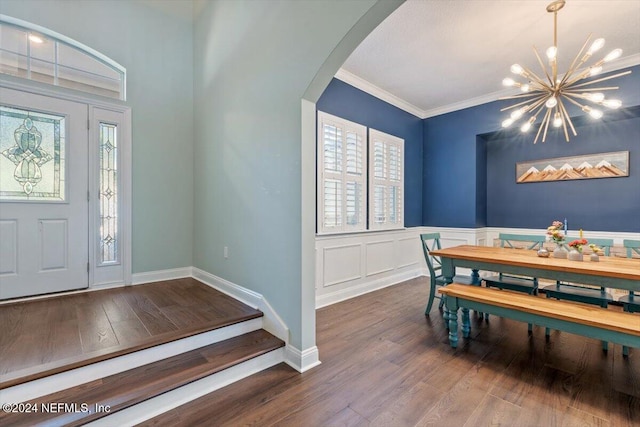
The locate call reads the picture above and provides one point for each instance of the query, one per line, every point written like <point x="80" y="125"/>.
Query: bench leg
<point x="451" y="303"/>
<point x="453" y="328"/>
<point x="466" y="327"/>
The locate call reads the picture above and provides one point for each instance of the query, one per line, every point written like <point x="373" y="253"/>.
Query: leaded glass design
<point x="108" y="193"/>
<point x="32" y="156"/>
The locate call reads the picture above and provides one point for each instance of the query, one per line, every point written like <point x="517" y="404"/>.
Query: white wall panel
<point x="380" y="257"/>
<point x="409" y="252"/>
<point x="341" y="264"/>
<point x="8" y="246"/>
<point x="384" y="258"/>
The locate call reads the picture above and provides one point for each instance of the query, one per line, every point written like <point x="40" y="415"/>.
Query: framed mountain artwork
<point x="590" y="166"/>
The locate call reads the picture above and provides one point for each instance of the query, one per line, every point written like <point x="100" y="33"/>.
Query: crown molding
<point x="371" y="89"/>
<point x="374" y="90"/>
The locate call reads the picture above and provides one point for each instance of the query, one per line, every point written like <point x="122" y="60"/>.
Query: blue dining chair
<point x="630" y="302"/>
<point x="581" y="293"/>
<point x="431" y="242"/>
<point x="512" y="282"/>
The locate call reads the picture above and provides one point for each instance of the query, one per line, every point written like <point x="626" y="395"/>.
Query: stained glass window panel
<point x="108" y="202"/>
<point x="32" y="156"/>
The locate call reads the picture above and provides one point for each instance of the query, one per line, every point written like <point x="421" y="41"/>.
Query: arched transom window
<point x="32" y="52"/>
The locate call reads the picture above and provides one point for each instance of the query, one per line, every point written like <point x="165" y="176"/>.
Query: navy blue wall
<point x="453" y="169"/>
<point x="460" y="166"/>
<point x="343" y="100"/>
<point x="456" y="170"/>
<point x="611" y="204"/>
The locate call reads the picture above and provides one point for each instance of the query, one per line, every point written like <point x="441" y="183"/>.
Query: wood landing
<point x="48" y="336"/>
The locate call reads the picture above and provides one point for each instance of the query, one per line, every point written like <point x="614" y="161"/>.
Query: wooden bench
<point x="590" y="321"/>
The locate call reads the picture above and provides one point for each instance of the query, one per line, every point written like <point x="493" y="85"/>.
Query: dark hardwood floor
<point x="385" y="364"/>
<point x="51" y="335"/>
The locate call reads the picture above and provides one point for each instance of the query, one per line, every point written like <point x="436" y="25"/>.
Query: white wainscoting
<point x="348" y="265"/>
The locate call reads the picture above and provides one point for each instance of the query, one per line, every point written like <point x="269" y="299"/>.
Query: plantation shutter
<point x="386" y="181"/>
<point x="341" y="175"/>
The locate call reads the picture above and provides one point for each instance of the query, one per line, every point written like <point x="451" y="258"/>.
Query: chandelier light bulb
<point x="525" y="127"/>
<point x="595" y="70"/>
<point x="614" y="54"/>
<point x="551" y="102"/>
<point x="517" y="69"/>
<point x="596" y="46"/>
<point x="524" y="88"/>
<point x="612" y="103"/>
<point x="596" y="114"/>
<point x="594" y="97"/>
<point x="507" y="123"/>
<point x="518" y="113"/>
<point x="557" y="120"/>
<point x="508" y="82"/>
<point x="552" y="53"/>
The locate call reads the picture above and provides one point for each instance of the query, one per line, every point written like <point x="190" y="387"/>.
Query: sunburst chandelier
<point x="546" y="96"/>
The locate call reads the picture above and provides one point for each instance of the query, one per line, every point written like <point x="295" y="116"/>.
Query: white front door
<point x="44" y="215"/>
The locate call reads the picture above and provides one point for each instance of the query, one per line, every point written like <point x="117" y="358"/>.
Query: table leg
<point x="475" y="277"/>
<point x="475" y="280"/>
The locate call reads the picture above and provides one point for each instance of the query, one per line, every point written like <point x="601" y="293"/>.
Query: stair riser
<point x="172" y="399"/>
<point x="54" y="383"/>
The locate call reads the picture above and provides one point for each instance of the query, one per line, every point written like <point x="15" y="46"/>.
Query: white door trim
<point x="124" y="276"/>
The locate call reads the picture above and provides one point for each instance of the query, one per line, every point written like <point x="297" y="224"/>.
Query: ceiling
<point x="433" y="56"/>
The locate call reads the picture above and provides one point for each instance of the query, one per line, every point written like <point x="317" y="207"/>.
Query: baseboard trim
<point x="272" y="322"/>
<point x="301" y="361"/>
<point x="160" y="275"/>
<point x="370" y="286"/>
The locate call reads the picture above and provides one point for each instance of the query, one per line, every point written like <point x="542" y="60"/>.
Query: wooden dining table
<point x="611" y="272"/>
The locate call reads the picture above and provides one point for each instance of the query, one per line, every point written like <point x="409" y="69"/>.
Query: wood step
<point x="128" y="388"/>
<point x="45" y="337"/>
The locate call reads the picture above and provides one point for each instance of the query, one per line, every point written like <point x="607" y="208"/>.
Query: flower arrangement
<point x="555" y="231"/>
<point x="578" y="244"/>
<point x="595" y="248"/>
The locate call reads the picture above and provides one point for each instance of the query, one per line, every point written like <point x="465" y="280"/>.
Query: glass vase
<point x="574" y="255"/>
<point x="559" y="251"/>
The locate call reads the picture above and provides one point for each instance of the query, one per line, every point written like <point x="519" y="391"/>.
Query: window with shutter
<point x="386" y="181"/>
<point x="341" y="175"/>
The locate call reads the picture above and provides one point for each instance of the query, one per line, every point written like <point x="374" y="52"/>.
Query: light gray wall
<point x="224" y="168"/>
<point x="254" y="60"/>
<point x="156" y="46"/>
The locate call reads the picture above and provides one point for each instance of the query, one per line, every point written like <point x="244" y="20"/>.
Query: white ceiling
<point x="433" y="56"/>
